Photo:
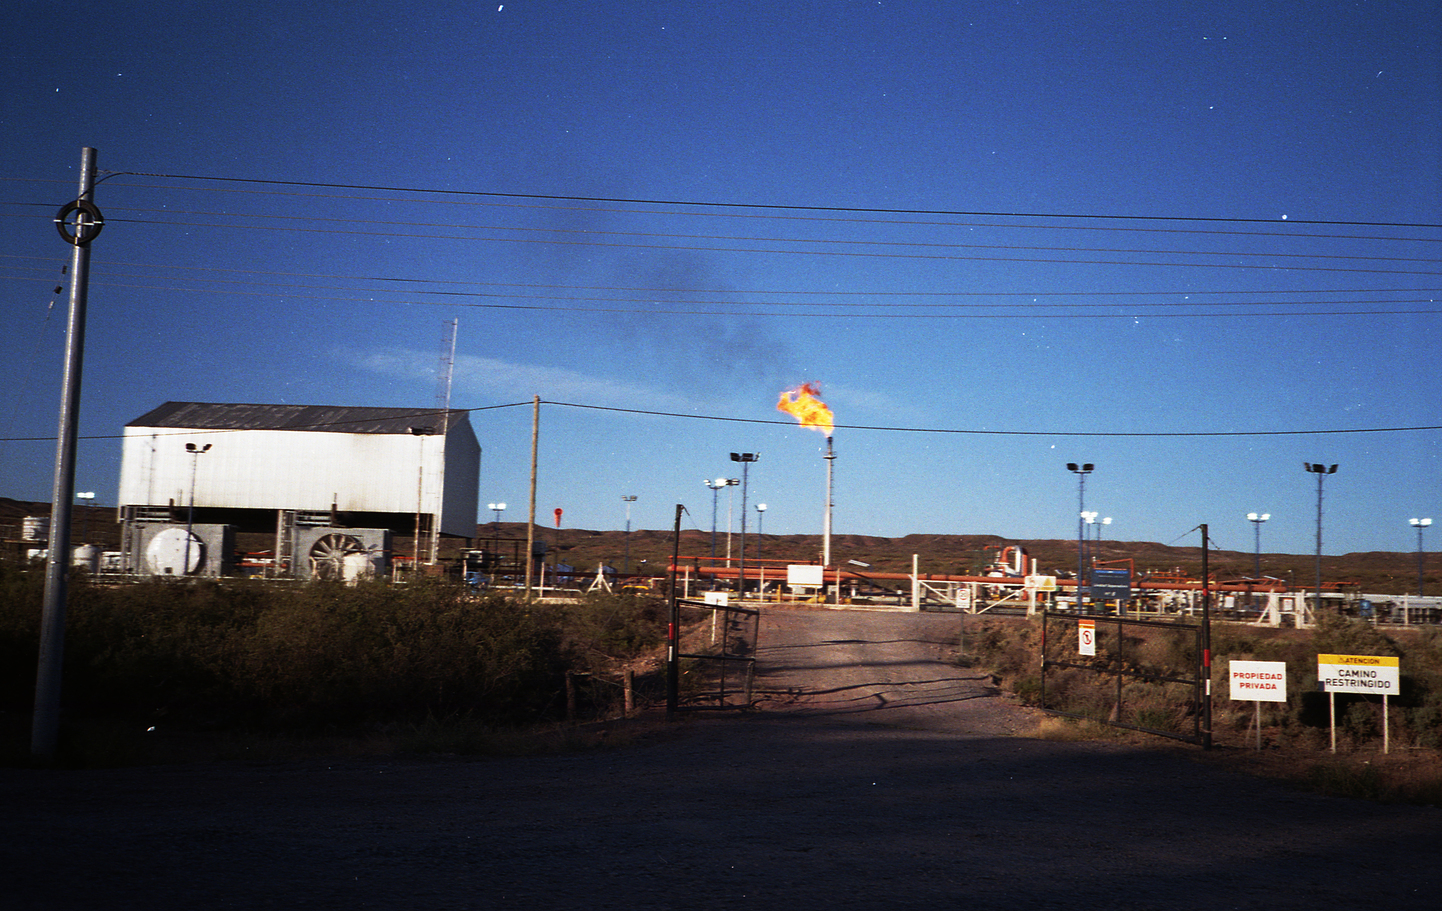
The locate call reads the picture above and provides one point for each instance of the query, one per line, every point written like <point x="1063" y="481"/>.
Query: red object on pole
<point x="558" y="516"/>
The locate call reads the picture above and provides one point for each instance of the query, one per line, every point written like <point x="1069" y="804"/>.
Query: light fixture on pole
<point x="195" y="453"/>
<point x="1419" y="524"/>
<point x="1081" y="471"/>
<point x="1321" y="471"/>
<point x="421" y="433"/>
<point x="627" y="566"/>
<point x="745" y="458"/>
<point x="715" y="487"/>
<point x="1257" y="519"/>
<point x="496" y="508"/>
<point x="85" y="520"/>
<point x="730" y="510"/>
<point x="760" y="514"/>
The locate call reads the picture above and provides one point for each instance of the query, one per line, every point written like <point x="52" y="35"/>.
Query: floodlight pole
<point x="1321" y="471"/>
<point x="1257" y="520"/>
<point x="760" y="526"/>
<point x="715" y="487"/>
<point x="1081" y="471"/>
<point x="1420" y="524"/>
<point x="745" y="458"/>
<point x="628" y="500"/>
<point x="195" y="453"/>
<point x="45" y="727"/>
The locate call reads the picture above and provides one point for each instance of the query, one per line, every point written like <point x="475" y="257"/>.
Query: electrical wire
<point x="950" y="431"/>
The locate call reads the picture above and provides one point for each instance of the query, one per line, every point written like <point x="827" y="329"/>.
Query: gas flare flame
<point x="804" y="404"/>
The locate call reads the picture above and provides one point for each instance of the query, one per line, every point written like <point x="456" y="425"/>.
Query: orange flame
<point x="803" y="404"/>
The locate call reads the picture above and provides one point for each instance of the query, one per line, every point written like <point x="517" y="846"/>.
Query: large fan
<point x="328" y="555"/>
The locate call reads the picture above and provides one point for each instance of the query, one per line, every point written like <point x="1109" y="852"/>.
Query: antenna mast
<point x="444" y="373"/>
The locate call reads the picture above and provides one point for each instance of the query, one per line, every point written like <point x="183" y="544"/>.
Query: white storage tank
<point x="88" y="557"/>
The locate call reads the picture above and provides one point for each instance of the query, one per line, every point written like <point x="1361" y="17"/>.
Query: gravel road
<point x="876" y="775"/>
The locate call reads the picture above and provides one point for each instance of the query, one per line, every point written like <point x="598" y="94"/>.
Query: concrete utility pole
<point x="87" y="223"/>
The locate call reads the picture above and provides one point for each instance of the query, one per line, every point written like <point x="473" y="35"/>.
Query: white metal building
<point x="406" y="471"/>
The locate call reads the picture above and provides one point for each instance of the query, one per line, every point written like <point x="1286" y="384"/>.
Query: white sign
<point x="808" y="574"/>
<point x="1358" y="674"/>
<point x="1086" y="631"/>
<point x="1041" y="583"/>
<point x="1259" y="681"/>
<point x="720" y="599"/>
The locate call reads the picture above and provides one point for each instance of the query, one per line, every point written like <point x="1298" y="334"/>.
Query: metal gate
<point x="717" y="648"/>
<point x="1145" y="675"/>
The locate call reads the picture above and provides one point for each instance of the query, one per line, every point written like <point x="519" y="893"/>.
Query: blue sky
<point x="1196" y="245"/>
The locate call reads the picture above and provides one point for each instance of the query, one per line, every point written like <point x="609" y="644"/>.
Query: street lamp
<point x="716" y="486"/>
<point x="628" y="501"/>
<point x="195" y="453"/>
<point x="1419" y="524"/>
<point x="760" y="515"/>
<point x="1081" y="471"/>
<point x="1257" y="519"/>
<point x="85" y="522"/>
<point x="745" y="458"/>
<point x="496" y="508"/>
<point x="1321" y="471"/>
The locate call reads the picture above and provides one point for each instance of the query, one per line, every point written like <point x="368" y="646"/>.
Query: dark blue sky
<point x="1187" y="242"/>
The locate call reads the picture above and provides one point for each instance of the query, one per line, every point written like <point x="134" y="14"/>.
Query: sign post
<point x="1358" y="674"/>
<point x="1259" y="681"/>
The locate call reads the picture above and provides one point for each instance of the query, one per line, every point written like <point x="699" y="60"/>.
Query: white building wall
<point x="309" y="470"/>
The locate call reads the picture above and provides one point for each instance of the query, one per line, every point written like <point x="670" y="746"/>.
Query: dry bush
<point x="258" y="657"/>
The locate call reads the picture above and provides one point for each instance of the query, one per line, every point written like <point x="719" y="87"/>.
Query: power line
<point x="786" y="292"/>
<point x="847" y="247"/>
<point x="955" y="213"/>
<point x="1013" y="433"/>
<point x="855" y="427"/>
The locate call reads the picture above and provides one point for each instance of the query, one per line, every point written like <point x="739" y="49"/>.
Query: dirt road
<point x="877" y="776"/>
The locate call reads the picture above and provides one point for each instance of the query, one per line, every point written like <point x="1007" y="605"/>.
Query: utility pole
<point x="531" y="512"/>
<point x="45" y="728"/>
<point x="673" y="628"/>
<point x="1206" y="643"/>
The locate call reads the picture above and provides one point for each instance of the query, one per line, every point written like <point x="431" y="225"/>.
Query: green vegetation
<point x="431" y="667"/>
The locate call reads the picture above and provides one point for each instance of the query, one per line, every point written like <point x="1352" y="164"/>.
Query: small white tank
<point x="88" y="556"/>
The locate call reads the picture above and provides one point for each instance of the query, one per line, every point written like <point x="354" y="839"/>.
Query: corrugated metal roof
<point x="322" y="418"/>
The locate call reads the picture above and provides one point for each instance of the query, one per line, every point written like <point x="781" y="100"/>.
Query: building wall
<point x="307" y="470"/>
